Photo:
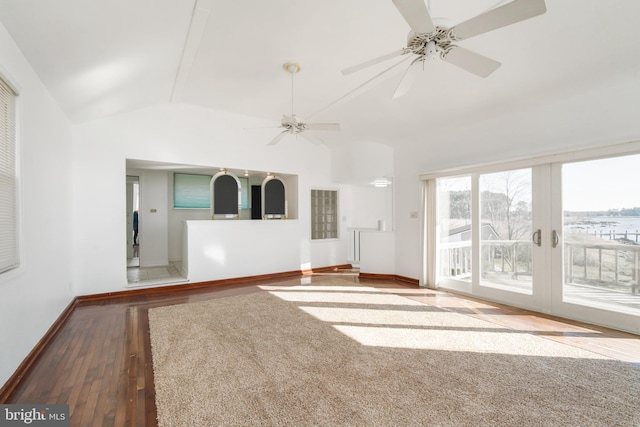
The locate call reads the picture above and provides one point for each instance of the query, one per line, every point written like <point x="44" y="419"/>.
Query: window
<point x="324" y="214"/>
<point x="191" y="191"/>
<point x="8" y="206"/>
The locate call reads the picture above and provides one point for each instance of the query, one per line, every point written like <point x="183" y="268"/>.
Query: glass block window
<point x="324" y="214"/>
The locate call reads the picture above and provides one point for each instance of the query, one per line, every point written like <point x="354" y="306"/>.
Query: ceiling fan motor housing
<point x="292" y="124"/>
<point x="430" y="44"/>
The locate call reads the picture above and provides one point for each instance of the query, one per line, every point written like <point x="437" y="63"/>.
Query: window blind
<point x="191" y="191"/>
<point x="8" y="207"/>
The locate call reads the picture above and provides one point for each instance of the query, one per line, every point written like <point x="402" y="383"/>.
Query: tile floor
<point x="145" y="276"/>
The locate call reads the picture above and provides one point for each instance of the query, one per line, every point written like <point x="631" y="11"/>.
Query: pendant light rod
<point x="291" y="68"/>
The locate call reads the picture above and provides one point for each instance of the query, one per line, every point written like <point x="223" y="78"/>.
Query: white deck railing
<point x="613" y="264"/>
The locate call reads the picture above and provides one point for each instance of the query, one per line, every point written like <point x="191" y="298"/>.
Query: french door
<point x="560" y="238"/>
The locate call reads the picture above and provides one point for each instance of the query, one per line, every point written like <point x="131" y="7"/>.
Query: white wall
<point x="377" y="250"/>
<point x="183" y="134"/>
<point x="361" y="162"/>
<point x="407" y="218"/>
<point x="176" y="225"/>
<point x="34" y="295"/>
<point x="368" y="205"/>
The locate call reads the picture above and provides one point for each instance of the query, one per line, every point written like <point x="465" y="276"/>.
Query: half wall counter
<point x="225" y="249"/>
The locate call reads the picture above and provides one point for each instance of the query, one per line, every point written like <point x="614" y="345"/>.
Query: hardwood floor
<point x="99" y="362"/>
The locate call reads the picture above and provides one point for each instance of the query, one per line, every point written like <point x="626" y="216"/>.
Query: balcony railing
<point x="512" y="258"/>
<point x="609" y="265"/>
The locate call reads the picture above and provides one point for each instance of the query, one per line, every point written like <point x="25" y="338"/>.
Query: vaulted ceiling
<point x="575" y="64"/>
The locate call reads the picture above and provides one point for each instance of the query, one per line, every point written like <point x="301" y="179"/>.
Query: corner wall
<point x="34" y="295"/>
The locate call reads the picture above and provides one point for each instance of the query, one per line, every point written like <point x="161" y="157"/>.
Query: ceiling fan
<point x="292" y="124"/>
<point x="427" y="39"/>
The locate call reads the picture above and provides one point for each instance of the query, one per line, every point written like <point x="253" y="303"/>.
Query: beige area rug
<point x="344" y="354"/>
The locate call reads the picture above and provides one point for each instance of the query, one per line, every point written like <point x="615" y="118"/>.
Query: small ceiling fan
<point x="426" y="40"/>
<point x="292" y="124"/>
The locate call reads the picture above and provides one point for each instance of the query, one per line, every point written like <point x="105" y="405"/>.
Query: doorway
<point x="256" y="202"/>
<point x="133" y="235"/>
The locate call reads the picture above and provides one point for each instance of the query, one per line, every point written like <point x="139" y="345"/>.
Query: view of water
<point x="604" y="224"/>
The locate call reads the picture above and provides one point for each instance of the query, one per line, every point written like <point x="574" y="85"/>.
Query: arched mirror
<point x="274" y="204"/>
<point x="225" y="195"/>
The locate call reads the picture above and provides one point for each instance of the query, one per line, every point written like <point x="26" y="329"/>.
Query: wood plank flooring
<point x="100" y="363"/>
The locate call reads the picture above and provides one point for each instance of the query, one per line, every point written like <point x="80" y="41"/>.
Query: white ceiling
<point x="104" y="57"/>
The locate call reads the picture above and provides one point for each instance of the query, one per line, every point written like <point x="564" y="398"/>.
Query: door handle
<point x="555" y="238"/>
<point x="537" y="237"/>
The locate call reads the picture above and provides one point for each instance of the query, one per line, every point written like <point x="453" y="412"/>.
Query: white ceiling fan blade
<point x="322" y="126"/>
<point x="278" y="137"/>
<point x="510" y="13"/>
<point x="312" y="138"/>
<point x="371" y="62"/>
<point x="471" y="61"/>
<point x="409" y="77"/>
<point x="358" y="89"/>
<point x="416" y="14"/>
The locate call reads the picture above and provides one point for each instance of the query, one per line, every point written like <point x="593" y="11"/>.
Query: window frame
<point x="11" y="94"/>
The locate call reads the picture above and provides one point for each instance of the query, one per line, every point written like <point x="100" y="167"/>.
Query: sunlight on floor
<point x="377" y="318"/>
<point x="341" y="295"/>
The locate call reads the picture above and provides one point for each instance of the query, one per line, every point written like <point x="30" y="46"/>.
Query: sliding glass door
<point x="601" y="234"/>
<point x="556" y="237"/>
<point x="485" y="235"/>
<point x="506" y="230"/>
